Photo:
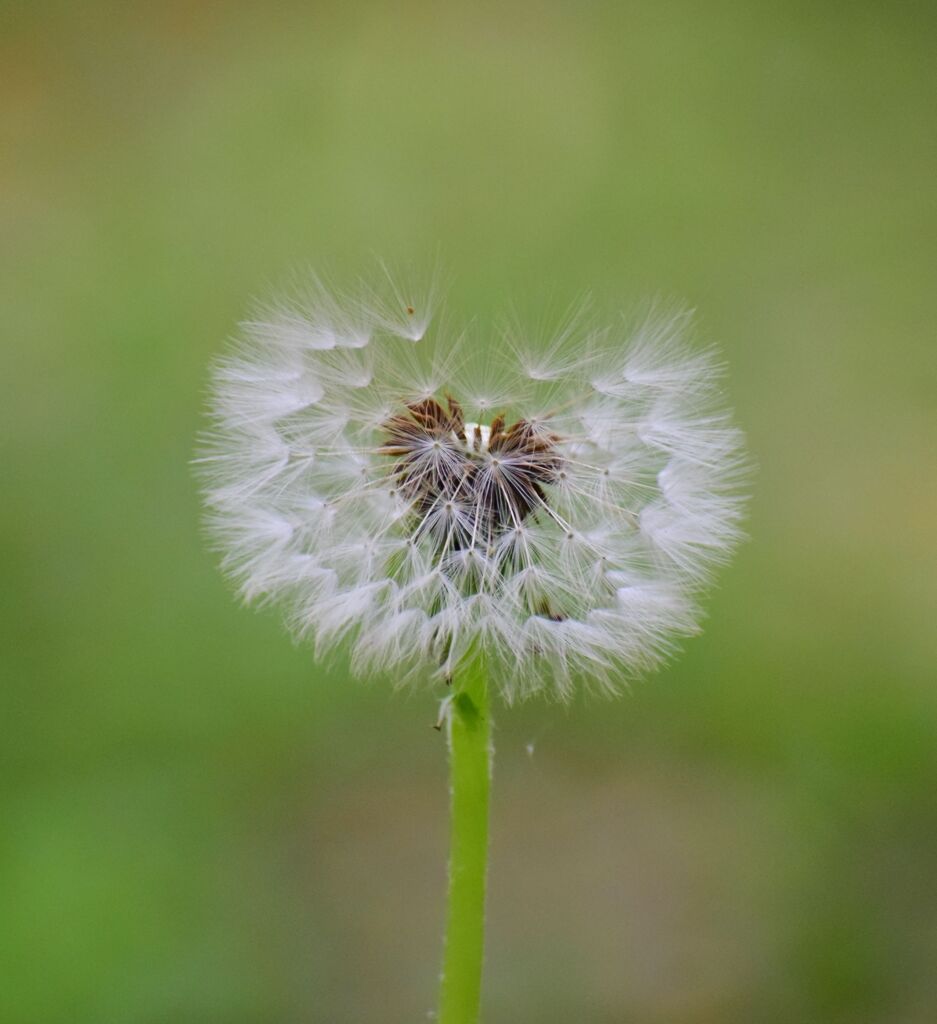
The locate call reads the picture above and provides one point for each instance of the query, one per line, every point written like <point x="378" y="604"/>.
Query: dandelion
<point x="506" y="513"/>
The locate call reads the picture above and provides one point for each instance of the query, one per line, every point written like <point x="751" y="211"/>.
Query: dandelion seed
<point x="561" y="510"/>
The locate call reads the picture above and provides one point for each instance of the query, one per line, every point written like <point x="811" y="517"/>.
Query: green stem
<point x="470" y="781"/>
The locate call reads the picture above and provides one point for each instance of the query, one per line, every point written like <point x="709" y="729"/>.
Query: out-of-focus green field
<point x="199" y="824"/>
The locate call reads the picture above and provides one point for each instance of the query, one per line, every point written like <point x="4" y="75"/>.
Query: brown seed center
<point x="468" y="484"/>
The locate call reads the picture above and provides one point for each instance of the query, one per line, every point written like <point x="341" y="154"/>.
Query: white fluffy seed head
<point x="561" y="508"/>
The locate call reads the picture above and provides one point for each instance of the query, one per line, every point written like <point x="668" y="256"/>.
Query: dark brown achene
<point x="468" y="483"/>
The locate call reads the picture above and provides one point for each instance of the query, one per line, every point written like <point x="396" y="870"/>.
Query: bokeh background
<point x="201" y="825"/>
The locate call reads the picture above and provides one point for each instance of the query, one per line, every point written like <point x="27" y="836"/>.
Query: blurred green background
<point x="199" y="824"/>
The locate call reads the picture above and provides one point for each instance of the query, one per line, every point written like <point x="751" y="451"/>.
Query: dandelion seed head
<point x="560" y="506"/>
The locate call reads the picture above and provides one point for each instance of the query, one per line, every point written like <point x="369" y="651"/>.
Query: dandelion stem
<point x="469" y="723"/>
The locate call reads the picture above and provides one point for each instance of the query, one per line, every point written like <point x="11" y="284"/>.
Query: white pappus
<point x="425" y="494"/>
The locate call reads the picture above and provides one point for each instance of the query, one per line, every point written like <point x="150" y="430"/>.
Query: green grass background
<point x="199" y="824"/>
